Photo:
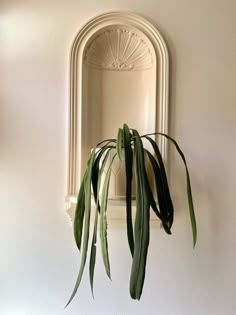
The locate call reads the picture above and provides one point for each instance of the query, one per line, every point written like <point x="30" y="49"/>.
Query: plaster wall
<point x="38" y="258"/>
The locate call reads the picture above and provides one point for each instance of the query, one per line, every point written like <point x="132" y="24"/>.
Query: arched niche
<point x="118" y="74"/>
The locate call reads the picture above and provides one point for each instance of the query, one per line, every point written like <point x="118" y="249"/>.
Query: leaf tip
<point x="194" y="241"/>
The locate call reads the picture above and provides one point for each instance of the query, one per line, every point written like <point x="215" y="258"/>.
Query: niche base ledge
<point x="115" y="211"/>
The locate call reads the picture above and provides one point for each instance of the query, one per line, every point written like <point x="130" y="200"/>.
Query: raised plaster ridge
<point x="118" y="49"/>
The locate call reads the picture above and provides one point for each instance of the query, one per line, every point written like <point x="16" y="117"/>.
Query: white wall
<point x="38" y="259"/>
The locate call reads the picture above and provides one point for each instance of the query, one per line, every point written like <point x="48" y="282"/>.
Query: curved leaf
<point x="103" y="220"/>
<point x="79" y="216"/>
<point x="94" y="239"/>
<point x="87" y="189"/>
<point x="96" y="169"/>
<point x="93" y="251"/>
<point x="159" y="190"/>
<point x="129" y="175"/>
<point x="189" y="191"/>
<point x="119" y="143"/>
<point x="100" y="174"/>
<point x="166" y="205"/>
<point x="141" y="228"/>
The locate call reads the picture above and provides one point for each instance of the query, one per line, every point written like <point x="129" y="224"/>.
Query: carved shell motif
<point x="118" y="49"/>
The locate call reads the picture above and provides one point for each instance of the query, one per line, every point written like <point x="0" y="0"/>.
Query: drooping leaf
<point x="107" y="141"/>
<point x="129" y="175"/>
<point x="87" y="189"/>
<point x="103" y="221"/>
<point x="119" y="143"/>
<point x="152" y="199"/>
<point x="94" y="178"/>
<point x="165" y="203"/>
<point x="189" y="191"/>
<point x="106" y="151"/>
<point x="93" y="250"/>
<point x="159" y="190"/>
<point x="79" y="216"/>
<point x="141" y="228"/>
<point x="101" y="171"/>
<point x="96" y="184"/>
<point x="96" y="168"/>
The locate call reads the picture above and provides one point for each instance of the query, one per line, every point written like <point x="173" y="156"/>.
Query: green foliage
<point x="128" y="145"/>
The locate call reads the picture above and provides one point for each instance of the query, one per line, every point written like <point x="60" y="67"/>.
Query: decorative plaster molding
<point x="122" y="25"/>
<point x="118" y="49"/>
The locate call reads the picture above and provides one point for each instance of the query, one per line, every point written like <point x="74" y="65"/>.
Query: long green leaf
<point x="79" y="216"/>
<point x="166" y="205"/>
<point x="129" y="175"/>
<point x="106" y="141"/>
<point x="189" y="191"/>
<point x="141" y="229"/>
<point x="87" y="189"/>
<point x="106" y="151"/>
<point x="119" y="143"/>
<point x="159" y="190"/>
<point x="151" y="198"/>
<point x="101" y="171"/>
<point x="94" y="177"/>
<point x="103" y="220"/>
<point x="96" y="168"/>
<point x="96" y="184"/>
<point x="93" y="251"/>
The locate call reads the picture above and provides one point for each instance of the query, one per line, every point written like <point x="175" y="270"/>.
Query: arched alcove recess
<point x="119" y="71"/>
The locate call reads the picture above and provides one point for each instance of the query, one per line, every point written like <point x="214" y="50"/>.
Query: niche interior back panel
<point x="119" y="86"/>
